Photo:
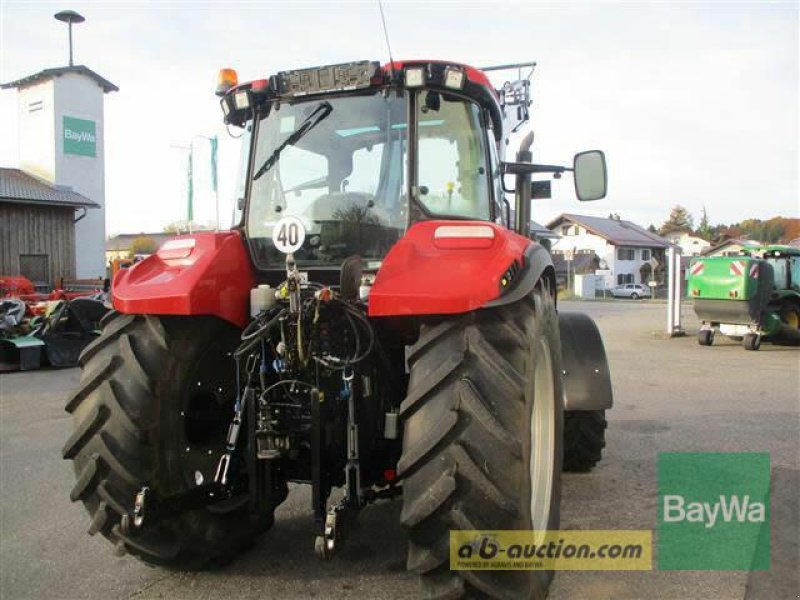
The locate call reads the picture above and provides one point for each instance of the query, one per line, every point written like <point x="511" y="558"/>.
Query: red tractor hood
<point x="205" y="273"/>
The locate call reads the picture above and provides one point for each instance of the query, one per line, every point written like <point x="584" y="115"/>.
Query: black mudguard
<point x="587" y="380"/>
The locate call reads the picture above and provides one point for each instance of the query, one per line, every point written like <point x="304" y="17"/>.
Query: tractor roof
<point x="298" y="84"/>
<point x="778" y="248"/>
<point x="474" y="75"/>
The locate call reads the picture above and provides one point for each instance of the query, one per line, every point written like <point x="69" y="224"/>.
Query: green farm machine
<point x="748" y="297"/>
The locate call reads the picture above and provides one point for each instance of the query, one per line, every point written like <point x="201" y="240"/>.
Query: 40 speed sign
<point x="288" y="234"/>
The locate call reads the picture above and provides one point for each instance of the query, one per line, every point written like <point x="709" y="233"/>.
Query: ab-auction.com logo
<point x="713" y="511"/>
<point x="551" y="550"/>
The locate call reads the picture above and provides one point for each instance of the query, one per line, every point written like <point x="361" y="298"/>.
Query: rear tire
<point x="483" y="420"/>
<point x="789" y="332"/>
<point x="705" y="337"/>
<point x="751" y="341"/>
<point x="153" y="406"/>
<point x="584" y="439"/>
<point x="634" y="296"/>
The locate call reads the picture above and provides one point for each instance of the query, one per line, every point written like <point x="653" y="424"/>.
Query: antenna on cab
<point x="386" y="35"/>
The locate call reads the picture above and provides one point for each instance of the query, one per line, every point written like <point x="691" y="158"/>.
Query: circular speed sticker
<point x="288" y="234"/>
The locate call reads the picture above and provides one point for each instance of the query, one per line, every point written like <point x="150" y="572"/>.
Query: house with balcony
<point x="624" y="250"/>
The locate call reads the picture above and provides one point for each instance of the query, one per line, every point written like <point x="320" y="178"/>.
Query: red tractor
<point x="378" y="321"/>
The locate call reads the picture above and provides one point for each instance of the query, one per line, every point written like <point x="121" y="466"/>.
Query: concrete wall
<point x="586" y="286"/>
<point x="35" y="110"/>
<point x="79" y="96"/>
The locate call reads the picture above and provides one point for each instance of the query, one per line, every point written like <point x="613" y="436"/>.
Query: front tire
<point x="153" y="406"/>
<point x="751" y="341"/>
<point x="483" y="440"/>
<point x="705" y="337"/>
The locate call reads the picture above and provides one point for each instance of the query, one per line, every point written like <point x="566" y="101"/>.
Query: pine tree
<point x="680" y="219"/>
<point x="704" y="229"/>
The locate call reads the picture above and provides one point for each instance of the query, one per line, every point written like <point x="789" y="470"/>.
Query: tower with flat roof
<point x="62" y="141"/>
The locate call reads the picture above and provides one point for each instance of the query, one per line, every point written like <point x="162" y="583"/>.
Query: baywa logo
<point x="80" y="137"/>
<point x="729" y="509"/>
<point x="713" y="511"/>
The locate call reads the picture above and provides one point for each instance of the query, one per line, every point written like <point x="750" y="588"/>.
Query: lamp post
<point x="214" y="183"/>
<point x="69" y="17"/>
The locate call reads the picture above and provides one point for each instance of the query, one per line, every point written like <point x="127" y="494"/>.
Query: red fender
<point x="205" y="273"/>
<point x="447" y="267"/>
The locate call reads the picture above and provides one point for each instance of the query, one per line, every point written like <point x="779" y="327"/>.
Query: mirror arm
<point x="522" y="168"/>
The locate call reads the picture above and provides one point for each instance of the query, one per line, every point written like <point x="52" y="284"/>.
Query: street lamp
<point x="215" y="183"/>
<point x="69" y="17"/>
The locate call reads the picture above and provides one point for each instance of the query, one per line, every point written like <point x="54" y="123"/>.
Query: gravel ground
<point x="670" y="394"/>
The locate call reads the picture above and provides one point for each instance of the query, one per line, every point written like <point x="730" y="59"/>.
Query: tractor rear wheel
<point x="154" y="403"/>
<point x="584" y="439"/>
<point x="482" y="447"/>
<point x="789" y="332"/>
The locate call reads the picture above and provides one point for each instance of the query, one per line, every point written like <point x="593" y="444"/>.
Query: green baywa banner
<point x="80" y="137"/>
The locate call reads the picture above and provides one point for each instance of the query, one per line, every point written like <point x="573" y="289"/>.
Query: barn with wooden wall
<point x="37" y="227"/>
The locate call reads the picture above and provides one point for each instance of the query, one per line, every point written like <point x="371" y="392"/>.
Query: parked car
<point x="634" y="291"/>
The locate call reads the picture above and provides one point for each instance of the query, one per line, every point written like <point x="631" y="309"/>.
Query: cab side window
<point x="794" y="273"/>
<point x="500" y="212"/>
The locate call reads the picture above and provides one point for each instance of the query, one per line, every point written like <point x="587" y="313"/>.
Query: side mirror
<point x="591" y="178"/>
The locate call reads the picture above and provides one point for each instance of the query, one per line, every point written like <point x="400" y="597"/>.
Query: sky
<point x="694" y="103"/>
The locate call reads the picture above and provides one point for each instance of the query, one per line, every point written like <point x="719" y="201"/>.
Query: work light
<point x="415" y="77"/>
<point x="453" y="78"/>
<point x="241" y="100"/>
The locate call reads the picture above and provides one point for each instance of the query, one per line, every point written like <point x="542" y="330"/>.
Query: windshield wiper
<point x="319" y="114"/>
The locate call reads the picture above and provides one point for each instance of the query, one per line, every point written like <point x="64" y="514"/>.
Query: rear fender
<point x="205" y="273"/>
<point x="425" y="275"/>
<point x="587" y="380"/>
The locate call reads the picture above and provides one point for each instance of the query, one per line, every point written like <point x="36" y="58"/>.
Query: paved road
<point x="670" y="395"/>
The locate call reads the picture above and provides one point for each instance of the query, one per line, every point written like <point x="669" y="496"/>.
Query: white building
<point x="732" y="247"/>
<point x="62" y="142"/>
<point x="690" y="245"/>
<point x="622" y="247"/>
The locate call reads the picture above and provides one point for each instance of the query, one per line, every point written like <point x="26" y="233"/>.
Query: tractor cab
<point x="785" y="262"/>
<point x="353" y="155"/>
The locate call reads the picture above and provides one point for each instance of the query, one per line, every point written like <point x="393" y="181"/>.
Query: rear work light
<point x="463" y="236"/>
<point x="241" y="99"/>
<point x="454" y="78"/>
<point x="415" y="77"/>
<point x="172" y="249"/>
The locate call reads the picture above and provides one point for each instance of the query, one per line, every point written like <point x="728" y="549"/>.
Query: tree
<point x="180" y="227"/>
<point x="680" y="220"/>
<point x="176" y="228"/>
<point x="704" y="229"/>
<point x="142" y="244"/>
<point x="652" y="228"/>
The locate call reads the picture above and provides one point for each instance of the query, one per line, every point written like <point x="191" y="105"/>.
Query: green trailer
<point x="748" y="297"/>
